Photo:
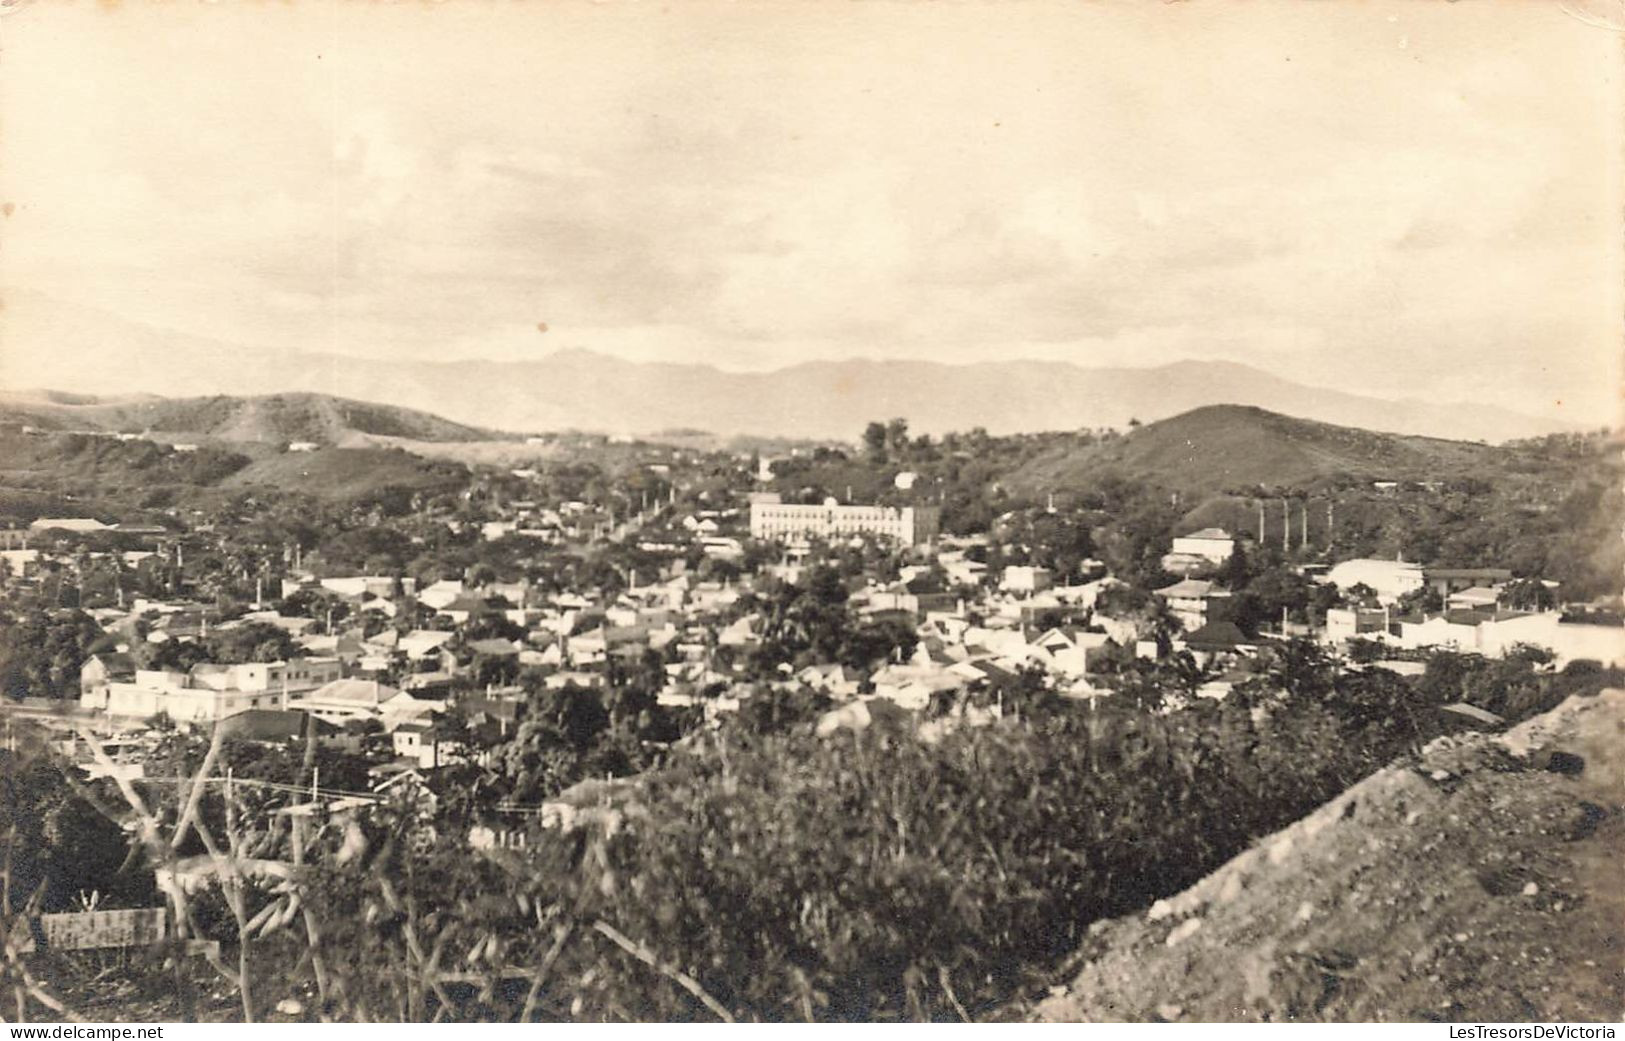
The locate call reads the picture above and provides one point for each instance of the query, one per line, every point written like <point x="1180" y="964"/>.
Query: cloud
<point x="1099" y="184"/>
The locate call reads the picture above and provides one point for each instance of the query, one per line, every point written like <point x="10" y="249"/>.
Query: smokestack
<point x="1286" y="526"/>
<point x="1303" y="508"/>
<point x="1261" y="524"/>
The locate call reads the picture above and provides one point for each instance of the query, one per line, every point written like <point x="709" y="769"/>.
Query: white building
<point x="1191" y="601"/>
<point x="1495" y="635"/>
<point x="1390" y="579"/>
<point x="1026" y="579"/>
<point x="357" y="586"/>
<point x="1346" y="623"/>
<point x="1199" y="549"/>
<point x="343" y="700"/>
<point x="909" y="525"/>
<point x="211" y="692"/>
<point x="77" y="525"/>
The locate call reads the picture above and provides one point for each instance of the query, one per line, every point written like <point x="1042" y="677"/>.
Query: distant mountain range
<point x="94" y="352"/>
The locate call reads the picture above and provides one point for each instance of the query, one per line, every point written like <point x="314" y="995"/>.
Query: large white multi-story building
<point x="211" y="692"/>
<point x="909" y="525"/>
<point x="1198" y="550"/>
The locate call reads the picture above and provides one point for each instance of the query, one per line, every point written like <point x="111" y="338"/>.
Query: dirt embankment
<point x="1486" y="883"/>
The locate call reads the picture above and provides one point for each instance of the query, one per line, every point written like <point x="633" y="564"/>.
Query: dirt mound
<point x="1482" y="884"/>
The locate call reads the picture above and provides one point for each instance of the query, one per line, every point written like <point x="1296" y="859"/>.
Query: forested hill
<point x="1222" y="447"/>
<point x="318" y="418"/>
<point x="1547" y="506"/>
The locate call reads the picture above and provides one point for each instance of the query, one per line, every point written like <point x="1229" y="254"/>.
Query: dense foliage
<point x="41" y="653"/>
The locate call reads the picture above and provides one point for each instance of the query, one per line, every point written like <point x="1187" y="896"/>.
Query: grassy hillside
<point x="43" y="473"/>
<point x="80" y="463"/>
<point x="346" y="473"/>
<point x="274" y="418"/>
<point x="1223" y="447"/>
<point x="1490" y="897"/>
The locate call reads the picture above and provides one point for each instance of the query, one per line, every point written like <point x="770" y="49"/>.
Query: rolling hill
<point x="275" y="418"/>
<point x="42" y="472"/>
<point x="346" y="473"/>
<point x="1219" y="447"/>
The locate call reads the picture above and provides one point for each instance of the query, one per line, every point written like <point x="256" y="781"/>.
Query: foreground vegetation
<point x="786" y="876"/>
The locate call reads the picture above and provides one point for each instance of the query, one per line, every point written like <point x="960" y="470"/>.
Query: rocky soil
<point x="1484" y="883"/>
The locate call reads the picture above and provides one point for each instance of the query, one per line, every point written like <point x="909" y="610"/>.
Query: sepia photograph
<point x="779" y="511"/>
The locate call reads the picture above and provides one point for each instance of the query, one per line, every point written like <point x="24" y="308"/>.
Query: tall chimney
<point x="1303" y="508"/>
<point x="1286" y="526"/>
<point x="1261" y="524"/>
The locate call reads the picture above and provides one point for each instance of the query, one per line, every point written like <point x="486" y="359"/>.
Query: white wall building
<point x="1026" y="579"/>
<point x="909" y="525"/>
<point x="1390" y="579"/>
<point x="1215" y="544"/>
<point x="1494" y="637"/>
<point x="210" y="693"/>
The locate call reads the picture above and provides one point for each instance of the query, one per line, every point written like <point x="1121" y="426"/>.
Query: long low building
<point x="908" y="525"/>
<point x="1490" y="633"/>
<point x="1391" y="580"/>
<point x="209" y="692"/>
<point x="1495" y="634"/>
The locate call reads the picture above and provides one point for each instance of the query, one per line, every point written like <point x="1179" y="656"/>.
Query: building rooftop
<point x="1190" y="587"/>
<point x="365" y="692"/>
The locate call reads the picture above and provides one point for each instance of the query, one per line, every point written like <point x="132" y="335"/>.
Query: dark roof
<point x="270" y="724"/>
<point x="993" y="672"/>
<point x="926" y="582"/>
<point x="492" y="708"/>
<point x="470" y="604"/>
<point x="1222" y="636"/>
<point x="1467" y="572"/>
<point x="114" y="662"/>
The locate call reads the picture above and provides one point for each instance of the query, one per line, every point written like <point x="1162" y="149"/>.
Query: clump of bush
<point x="769" y="875"/>
<point x="870" y="876"/>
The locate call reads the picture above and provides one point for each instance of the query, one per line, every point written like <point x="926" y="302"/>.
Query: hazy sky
<point x="1405" y="199"/>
